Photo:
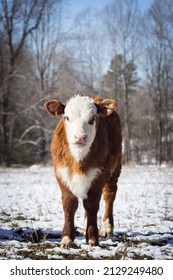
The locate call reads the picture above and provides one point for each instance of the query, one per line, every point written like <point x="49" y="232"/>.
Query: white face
<point x="80" y="116"/>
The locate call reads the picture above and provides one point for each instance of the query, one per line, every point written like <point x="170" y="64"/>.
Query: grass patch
<point x="6" y="220"/>
<point x="170" y="219"/>
<point x="3" y="213"/>
<point x="5" y="217"/>
<point x="40" y="245"/>
<point x="20" y="218"/>
<point x="33" y="255"/>
<point x="45" y="251"/>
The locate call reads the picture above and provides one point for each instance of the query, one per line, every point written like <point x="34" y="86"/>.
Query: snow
<point x="31" y="216"/>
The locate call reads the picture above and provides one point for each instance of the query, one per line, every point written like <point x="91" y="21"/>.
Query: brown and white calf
<point x="86" y="153"/>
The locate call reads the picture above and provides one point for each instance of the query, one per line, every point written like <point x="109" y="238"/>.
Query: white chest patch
<point x="79" y="185"/>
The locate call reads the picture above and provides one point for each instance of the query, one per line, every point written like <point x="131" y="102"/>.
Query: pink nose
<point x="80" y="138"/>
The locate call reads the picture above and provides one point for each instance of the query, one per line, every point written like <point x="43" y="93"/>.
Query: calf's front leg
<point x="91" y="205"/>
<point x="70" y="204"/>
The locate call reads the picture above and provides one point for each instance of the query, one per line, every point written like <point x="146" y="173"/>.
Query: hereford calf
<point x="86" y="153"/>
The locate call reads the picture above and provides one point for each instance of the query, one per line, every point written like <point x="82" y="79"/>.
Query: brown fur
<point x="105" y="154"/>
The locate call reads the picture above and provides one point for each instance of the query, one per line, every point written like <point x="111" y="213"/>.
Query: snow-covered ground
<point x="31" y="216"/>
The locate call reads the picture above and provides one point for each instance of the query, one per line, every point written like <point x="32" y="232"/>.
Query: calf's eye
<point x="92" y="120"/>
<point x="66" y="118"/>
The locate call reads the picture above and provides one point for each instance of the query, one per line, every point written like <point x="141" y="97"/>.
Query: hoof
<point x="93" y="243"/>
<point x="66" y="242"/>
<point x="106" y="229"/>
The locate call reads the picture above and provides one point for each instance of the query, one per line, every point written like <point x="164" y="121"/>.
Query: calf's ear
<point x="107" y="107"/>
<point x="54" y="107"/>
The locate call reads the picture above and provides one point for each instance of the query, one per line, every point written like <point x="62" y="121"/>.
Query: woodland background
<point x="118" y="52"/>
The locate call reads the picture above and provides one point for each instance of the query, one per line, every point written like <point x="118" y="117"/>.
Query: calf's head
<point x="81" y="115"/>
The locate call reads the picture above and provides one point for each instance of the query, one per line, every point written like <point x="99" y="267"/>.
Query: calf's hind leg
<point x="109" y="194"/>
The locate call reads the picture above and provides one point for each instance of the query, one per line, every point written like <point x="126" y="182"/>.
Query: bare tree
<point x="121" y="20"/>
<point x="18" y="19"/>
<point x="88" y="50"/>
<point x="159" y="75"/>
<point x="47" y="42"/>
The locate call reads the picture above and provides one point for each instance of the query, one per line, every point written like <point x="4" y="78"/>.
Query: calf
<point x="86" y="153"/>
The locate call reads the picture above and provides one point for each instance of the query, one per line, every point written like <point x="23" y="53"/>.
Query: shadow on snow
<point x="39" y="235"/>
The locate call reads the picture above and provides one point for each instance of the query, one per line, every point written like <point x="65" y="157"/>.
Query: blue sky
<point x="76" y="6"/>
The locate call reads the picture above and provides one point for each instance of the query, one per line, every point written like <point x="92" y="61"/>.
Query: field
<point x="31" y="216"/>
